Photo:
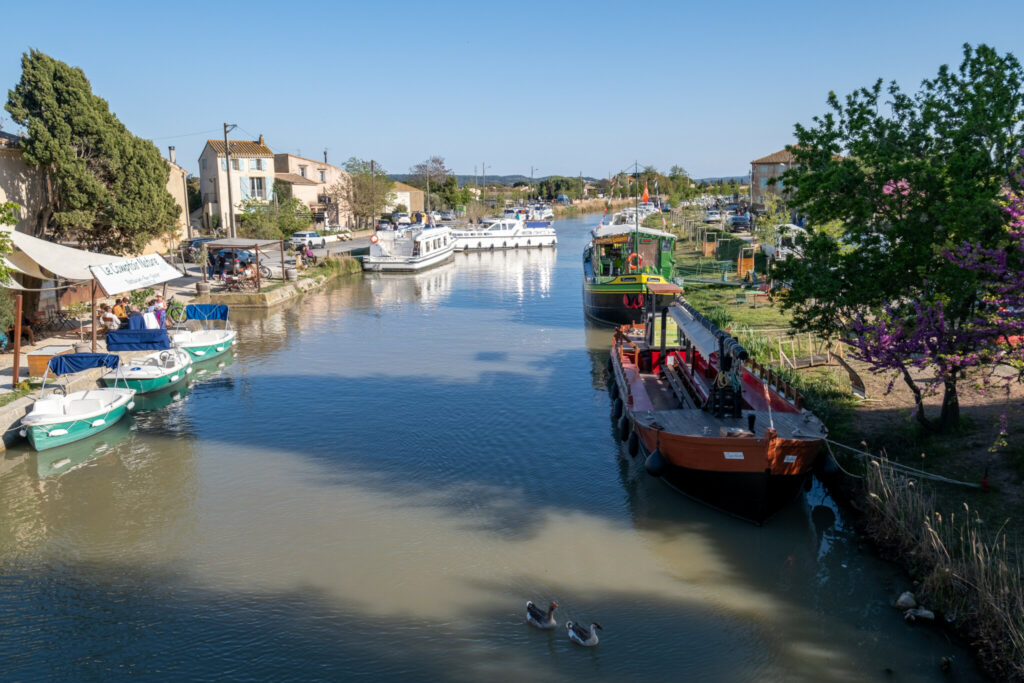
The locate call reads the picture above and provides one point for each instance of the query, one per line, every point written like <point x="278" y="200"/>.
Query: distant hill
<point x="491" y="179"/>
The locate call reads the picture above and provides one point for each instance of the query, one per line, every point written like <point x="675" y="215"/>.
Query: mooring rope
<point x="904" y="469"/>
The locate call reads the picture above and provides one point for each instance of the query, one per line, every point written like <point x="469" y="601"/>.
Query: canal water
<point x="380" y="478"/>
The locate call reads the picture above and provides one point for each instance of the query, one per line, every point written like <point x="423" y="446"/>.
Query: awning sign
<point x="133" y="273"/>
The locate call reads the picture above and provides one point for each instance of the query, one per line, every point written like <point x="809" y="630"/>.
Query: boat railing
<point x="767" y="375"/>
<point x="622" y="338"/>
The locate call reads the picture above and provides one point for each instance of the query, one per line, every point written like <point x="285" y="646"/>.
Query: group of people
<point x="118" y="316"/>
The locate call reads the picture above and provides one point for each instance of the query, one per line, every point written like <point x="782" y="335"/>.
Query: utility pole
<point x="531" y="181"/>
<point x="373" y="197"/>
<point x="228" y="127"/>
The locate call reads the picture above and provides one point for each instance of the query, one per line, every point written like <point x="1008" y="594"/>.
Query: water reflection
<point x="375" y="487"/>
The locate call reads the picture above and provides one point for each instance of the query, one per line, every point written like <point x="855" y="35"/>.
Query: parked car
<point x="309" y="238"/>
<point x="448" y="215"/>
<point x="785" y="245"/>
<point x="194" y="246"/>
<point x="436" y="215"/>
<point x="401" y="218"/>
<point x="738" y="223"/>
<point x="666" y="207"/>
<point x="383" y="224"/>
<point x="712" y="216"/>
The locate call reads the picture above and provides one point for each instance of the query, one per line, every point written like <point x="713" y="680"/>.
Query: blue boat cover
<point x="206" y="312"/>
<point x="76" y="362"/>
<point x="136" y="322"/>
<point x="138" y="340"/>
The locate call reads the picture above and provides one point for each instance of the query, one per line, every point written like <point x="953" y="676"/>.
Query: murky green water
<point x="377" y="482"/>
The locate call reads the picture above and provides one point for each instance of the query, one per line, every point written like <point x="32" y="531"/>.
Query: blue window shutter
<point x="270" y="188"/>
<point x="224" y="164"/>
<point x="243" y="182"/>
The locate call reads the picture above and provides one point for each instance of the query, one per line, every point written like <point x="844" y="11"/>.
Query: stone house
<point x="763" y="170"/>
<point x="251" y="177"/>
<point x="406" y="195"/>
<point x="311" y="182"/>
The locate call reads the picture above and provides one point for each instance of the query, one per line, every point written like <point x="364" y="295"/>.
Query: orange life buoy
<point x="639" y="261"/>
<point x="374" y="239"/>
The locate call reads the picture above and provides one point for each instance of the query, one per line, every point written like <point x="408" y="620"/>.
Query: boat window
<point x="629" y="279"/>
<point x="654" y="279"/>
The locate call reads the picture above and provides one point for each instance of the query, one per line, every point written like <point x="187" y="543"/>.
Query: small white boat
<point x="152" y="372"/>
<point x="504" y="233"/>
<point x="209" y="342"/>
<point x="55" y="420"/>
<point x="409" y="249"/>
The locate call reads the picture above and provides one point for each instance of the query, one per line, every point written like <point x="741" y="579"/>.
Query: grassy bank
<point x="589" y="206"/>
<point x="959" y="543"/>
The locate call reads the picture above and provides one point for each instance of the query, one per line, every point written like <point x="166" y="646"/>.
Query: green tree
<point x="107" y="189"/>
<point x="365" y="191"/>
<point x="9" y="212"/>
<point x="273" y="221"/>
<point x="282" y="191"/>
<point x="919" y="176"/>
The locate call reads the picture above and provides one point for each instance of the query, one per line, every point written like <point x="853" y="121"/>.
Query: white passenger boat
<point x="504" y="233"/>
<point x="409" y="249"/>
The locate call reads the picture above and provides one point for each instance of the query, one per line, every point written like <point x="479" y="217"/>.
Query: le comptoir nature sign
<point x="133" y="273"/>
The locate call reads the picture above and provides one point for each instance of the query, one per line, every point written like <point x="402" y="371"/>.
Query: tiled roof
<point x="294" y="179"/>
<point x="241" y="148"/>
<point x="783" y="156"/>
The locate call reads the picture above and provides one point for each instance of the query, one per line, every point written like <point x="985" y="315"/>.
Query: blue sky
<point x="565" y="87"/>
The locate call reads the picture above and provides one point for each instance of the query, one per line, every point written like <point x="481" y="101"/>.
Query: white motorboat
<point x="504" y="233"/>
<point x="55" y="420"/>
<point x="409" y="249"/>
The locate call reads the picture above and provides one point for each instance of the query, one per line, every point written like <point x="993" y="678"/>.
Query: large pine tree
<point x="107" y="188"/>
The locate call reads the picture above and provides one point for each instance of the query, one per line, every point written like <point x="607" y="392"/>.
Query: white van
<point x="785" y="243"/>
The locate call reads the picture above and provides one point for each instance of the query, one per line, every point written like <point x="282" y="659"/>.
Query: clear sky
<point x="565" y="87"/>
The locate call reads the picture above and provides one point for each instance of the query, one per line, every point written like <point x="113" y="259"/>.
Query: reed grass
<point x="968" y="574"/>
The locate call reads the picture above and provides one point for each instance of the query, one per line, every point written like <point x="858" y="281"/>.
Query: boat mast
<point x="636" y="216"/>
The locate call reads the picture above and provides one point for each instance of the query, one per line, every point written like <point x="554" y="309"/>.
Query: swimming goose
<point x="582" y="636"/>
<point x="540" y="618"/>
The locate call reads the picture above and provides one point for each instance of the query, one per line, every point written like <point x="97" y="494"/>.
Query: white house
<point x="252" y="177"/>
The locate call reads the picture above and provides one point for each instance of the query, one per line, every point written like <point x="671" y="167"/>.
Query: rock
<point x="906" y="601"/>
<point x="919" y="613"/>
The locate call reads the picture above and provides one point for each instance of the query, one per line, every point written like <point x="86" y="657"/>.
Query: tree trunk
<point x="918" y="401"/>
<point x="950" y="416"/>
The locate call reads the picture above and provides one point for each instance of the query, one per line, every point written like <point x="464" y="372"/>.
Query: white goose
<point x="582" y="636"/>
<point x="539" y="618"/>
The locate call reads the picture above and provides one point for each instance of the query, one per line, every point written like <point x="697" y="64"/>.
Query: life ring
<point x="639" y="261"/>
<point x="374" y="239"/>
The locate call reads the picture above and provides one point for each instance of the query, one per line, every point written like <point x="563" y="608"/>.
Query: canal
<point x="376" y="483"/>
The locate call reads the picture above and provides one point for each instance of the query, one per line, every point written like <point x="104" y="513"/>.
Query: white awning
<point x="65" y="262"/>
<point x="19" y="262"/>
<point x="702" y="338"/>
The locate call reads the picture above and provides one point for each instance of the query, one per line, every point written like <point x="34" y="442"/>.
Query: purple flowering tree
<point x="925" y="277"/>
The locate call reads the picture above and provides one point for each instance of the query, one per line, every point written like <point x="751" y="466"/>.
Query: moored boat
<point x="504" y="233"/>
<point x="206" y="342"/>
<point x="712" y="422"/>
<point x="619" y="264"/>
<point x="55" y="420"/>
<point x="409" y="249"/>
<point x="164" y="367"/>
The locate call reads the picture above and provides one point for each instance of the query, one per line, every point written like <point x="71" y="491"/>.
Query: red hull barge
<point x="712" y="423"/>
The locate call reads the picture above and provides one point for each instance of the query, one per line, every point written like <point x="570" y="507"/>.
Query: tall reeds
<point x="968" y="574"/>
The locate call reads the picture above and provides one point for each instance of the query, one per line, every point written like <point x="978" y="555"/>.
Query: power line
<point x="187" y="135"/>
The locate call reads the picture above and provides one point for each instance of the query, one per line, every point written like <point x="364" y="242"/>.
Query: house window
<point x="323" y="176"/>
<point x="302" y="171"/>
<point x="764" y="183"/>
<point x="256" y="188"/>
<point x="256" y="165"/>
<point x="202" y="164"/>
<point x="236" y="165"/>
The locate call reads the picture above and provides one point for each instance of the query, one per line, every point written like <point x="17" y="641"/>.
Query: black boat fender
<point x="613" y="390"/>
<point x="617" y="408"/>
<point x="634" y="444"/>
<point x="655" y="464"/>
<point x="625" y="427"/>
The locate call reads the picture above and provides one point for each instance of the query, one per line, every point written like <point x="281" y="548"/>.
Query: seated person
<point x="119" y="309"/>
<point x="107" y="319"/>
<point x="26" y="331"/>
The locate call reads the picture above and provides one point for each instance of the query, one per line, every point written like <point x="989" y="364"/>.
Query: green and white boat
<point x="164" y="367"/>
<point x="152" y="372"/>
<point x="207" y="342"/>
<point x="55" y="420"/>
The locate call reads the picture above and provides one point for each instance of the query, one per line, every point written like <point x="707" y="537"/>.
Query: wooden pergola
<point x="246" y="244"/>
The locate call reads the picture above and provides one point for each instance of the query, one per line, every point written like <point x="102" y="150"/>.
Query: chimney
<point x="170" y="154"/>
<point x="261" y="138"/>
<point x="325" y="156"/>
